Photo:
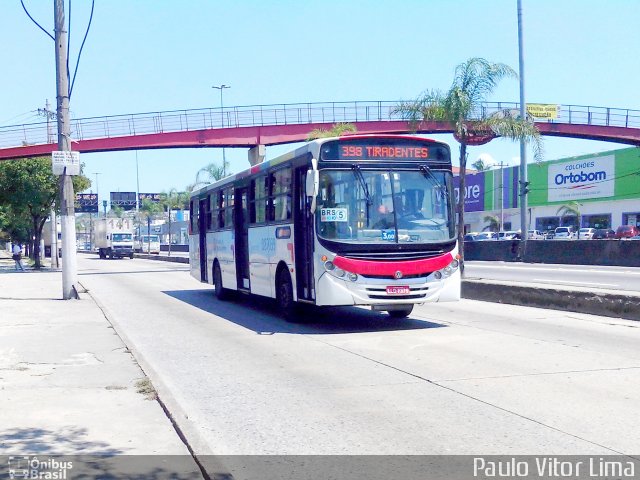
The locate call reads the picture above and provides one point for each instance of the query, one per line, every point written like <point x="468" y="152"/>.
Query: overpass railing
<point x="277" y="114"/>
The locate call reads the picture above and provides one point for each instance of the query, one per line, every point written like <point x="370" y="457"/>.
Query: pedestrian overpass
<point x="255" y="126"/>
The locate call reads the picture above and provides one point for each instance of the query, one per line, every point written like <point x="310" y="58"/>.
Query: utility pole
<point x="55" y="259"/>
<point x="67" y="197"/>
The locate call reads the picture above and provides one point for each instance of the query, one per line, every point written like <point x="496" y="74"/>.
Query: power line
<point x="33" y="20"/>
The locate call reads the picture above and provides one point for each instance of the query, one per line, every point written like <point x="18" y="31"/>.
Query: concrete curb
<point x="162" y="258"/>
<point x="605" y="303"/>
<point x="188" y="432"/>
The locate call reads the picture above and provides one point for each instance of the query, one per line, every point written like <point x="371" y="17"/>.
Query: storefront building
<point x="604" y="188"/>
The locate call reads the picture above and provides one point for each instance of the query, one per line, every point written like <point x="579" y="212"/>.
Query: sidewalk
<point x="69" y="385"/>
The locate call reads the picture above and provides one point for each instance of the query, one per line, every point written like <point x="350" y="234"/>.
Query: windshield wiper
<point x="428" y="174"/>
<point x="357" y="172"/>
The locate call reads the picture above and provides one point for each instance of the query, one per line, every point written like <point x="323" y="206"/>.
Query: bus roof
<point x="312" y="147"/>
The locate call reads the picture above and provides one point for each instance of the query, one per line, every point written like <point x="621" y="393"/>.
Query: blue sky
<point x="156" y="55"/>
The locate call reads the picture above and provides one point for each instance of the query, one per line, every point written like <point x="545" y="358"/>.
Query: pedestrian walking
<point x="17" y="256"/>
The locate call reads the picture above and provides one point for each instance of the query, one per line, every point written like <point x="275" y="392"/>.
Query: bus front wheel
<point x="221" y="292"/>
<point x="284" y="297"/>
<point x="401" y="313"/>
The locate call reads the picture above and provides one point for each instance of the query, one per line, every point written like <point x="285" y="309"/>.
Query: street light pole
<point x="523" y="149"/>
<point x="224" y="158"/>
<point x="97" y="189"/>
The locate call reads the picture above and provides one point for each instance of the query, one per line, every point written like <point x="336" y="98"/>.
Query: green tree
<point x="174" y="200"/>
<point x="29" y="188"/>
<point x="473" y="82"/>
<point x="337" y="130"/>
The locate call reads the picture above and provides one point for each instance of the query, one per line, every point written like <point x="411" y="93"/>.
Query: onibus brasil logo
<point x="32" y="467"/>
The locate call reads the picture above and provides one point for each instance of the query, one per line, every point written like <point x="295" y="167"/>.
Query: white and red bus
<point x="355" y="220"/>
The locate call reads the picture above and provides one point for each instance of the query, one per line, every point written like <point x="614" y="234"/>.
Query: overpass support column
<point x="257" y="154"/>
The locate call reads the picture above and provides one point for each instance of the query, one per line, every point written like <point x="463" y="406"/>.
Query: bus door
<point x="202" y="228"/>
<point x="303" y="238"/>
<point x="242" y="238"/>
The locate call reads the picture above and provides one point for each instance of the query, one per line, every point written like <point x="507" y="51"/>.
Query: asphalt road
<point x="462" y="378"/>
<point x="588" y="276"/>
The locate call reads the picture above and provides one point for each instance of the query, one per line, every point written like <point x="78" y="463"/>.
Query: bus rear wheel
<point x="401" y="313"/>
<point x="221" y="292"/>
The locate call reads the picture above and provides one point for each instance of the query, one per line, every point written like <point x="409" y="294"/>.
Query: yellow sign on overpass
<point x="543" y="110"/>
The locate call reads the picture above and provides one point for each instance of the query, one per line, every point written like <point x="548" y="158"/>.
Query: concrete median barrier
<point x="601" y="302"/>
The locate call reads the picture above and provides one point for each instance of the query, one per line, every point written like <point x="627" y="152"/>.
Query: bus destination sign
<point x="396" y="150"/>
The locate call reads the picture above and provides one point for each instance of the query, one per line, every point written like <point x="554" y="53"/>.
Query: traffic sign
<point x="70" y="160"/>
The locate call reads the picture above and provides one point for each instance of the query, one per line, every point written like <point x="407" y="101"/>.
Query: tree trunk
<point x="37" y="235"/>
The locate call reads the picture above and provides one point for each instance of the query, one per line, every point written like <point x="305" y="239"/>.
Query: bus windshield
<point x="383" y="206"/>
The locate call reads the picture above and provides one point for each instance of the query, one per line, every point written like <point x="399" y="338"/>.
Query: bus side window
<point x="220" y="209"/>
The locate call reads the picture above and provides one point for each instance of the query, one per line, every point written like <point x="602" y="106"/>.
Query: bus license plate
<point x="398" y="290"/>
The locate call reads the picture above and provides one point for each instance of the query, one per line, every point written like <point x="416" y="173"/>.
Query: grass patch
<point x="145" y="387"/>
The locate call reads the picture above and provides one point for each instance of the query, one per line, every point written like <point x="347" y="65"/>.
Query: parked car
<point x="564" y="233"/>
<point x="603" y="234"/>
<point x="486" y="236"/>
<point x="470" y="237"/>
<point x="509" y="235"/>
<point x="627" y="231"/>
<point x="586" y="233"/>
<point x="549" y="234"/>
<point x="535" y="235"/>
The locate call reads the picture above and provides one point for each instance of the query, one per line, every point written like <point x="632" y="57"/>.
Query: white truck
<point x="114" y="237"/>
<point x="148" y="244"/>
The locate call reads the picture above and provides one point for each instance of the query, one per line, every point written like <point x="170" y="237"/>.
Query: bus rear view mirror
<point x="312" y="187"/>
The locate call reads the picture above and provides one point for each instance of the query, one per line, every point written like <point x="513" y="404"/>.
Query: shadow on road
<point x="261" y="315"/>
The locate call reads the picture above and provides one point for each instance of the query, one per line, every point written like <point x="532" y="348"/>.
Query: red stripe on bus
<point x="409" y="267"/>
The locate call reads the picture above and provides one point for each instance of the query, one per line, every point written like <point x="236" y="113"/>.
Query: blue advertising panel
<point x="474" y="192"/>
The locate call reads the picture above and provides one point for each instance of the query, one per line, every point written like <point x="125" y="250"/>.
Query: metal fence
<point x="279" y="114"/>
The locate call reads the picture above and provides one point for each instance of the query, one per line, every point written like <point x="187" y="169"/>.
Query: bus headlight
<point x="329" y="266"/>
<point x="353" y="277"/>
<point x="339" y="272"/>
<point x="446" y="271"/>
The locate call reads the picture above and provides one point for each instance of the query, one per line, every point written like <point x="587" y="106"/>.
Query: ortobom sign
<point x="580" y="179"/>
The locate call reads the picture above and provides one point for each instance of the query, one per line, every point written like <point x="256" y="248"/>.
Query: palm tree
<point x="173" y="200"/>
<point x="211" y="173"/>
<point x="116" y="211"/>
<point x="461" y="107"/>
<point x="480" y="166"/>
<point x="150" y="209"/>
<point x="494" y="223"/>
<point x="337" y="130"/>
<point x="571" y="209"/>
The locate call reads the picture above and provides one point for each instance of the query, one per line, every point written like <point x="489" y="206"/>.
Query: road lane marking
<point x="554" y="269"/>
<point x="560" y="282"/>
